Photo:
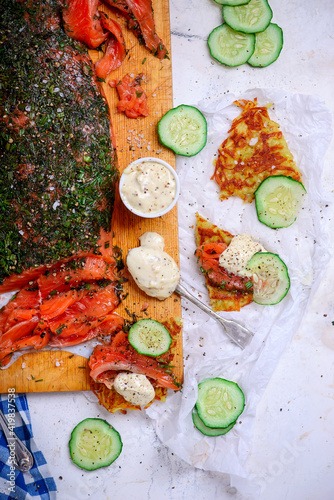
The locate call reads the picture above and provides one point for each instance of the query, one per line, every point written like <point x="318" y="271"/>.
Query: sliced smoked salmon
<point x="208" y="258"/>
<point x="108" y="326"/>
<point x="65" y="306"/>
<point x="121" y="356"/>
<point x="82" y="22"/>
<point x="108" y="360"/>
<point x="18" y="331"/>
<point x="133" y="100"/>
<point x="17" y="281"/>
<point x="140" y="20"/>
<point x="74" y="273"/>
<point x="115" y="50"/>
<point x="33" y="341"/>
<point x="24" y="300"/>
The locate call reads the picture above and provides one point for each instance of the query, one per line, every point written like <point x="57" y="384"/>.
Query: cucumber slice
<point x="150" y="337"/>
<point x="183" y="130"/>
<point x="94" y="443"/>
<point x="270" y="278"/>
<point x="219" y="402"/>
<point x="278" y="200"/>
<point x="209" y="431"/>
<point x="268" y="46"/>
<point x="250" y="18"/>
<point x="233" y="3"/>
<point x="230" y="47"/>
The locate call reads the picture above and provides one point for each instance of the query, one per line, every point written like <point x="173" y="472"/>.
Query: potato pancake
<point x="254" y="150"/>
<point x="221" y="299"/>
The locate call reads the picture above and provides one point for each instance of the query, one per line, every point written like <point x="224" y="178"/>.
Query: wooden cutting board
<point x="60" y="370"/>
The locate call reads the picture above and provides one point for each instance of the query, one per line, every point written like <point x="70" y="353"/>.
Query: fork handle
<point x="237" y="333"/>
<point x="23" y="458"/>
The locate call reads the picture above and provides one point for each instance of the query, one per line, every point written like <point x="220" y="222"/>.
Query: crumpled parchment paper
<point x="304" y="247"/>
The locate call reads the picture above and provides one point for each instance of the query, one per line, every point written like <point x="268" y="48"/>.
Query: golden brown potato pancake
<point x="254" y="150"/>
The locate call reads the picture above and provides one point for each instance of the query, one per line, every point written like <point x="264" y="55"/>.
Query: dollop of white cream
<point x="135" y="388"/>
<point x="154" y="271"/>
<point x="238" y="253"/>
<point x="149" y="187"/>
<point x="152" y="240"/>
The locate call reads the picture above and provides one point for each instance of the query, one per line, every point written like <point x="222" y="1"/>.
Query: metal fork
<point x="237" y="333"/>
<point x="23" y="458"/>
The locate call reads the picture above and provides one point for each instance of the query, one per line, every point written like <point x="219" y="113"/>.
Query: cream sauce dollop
<point x="135" y="388"/>
<point x="154" y="271"/>
<point x="238" y="253"/>
<point x="149" y="187"/>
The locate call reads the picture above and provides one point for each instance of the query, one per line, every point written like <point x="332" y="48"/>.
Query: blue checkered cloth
<point x="37" y="483"/>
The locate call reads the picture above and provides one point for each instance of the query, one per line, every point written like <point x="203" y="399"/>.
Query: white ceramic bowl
<point x="148" y="215"/>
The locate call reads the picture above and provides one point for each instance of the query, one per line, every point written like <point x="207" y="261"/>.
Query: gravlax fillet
<point x="58" y="163"/>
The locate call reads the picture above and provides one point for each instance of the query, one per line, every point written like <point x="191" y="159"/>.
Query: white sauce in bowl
<point x="148" y="187"/>
<point x="154" y="271"/>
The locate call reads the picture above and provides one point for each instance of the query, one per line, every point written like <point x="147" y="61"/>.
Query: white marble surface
<point x="292" y="454"/>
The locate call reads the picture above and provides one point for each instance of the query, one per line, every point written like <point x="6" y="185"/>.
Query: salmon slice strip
<point x="18" y="332"/>
<point x="85" y="314"/>
<point x="81" y="22"/>
<point x="115" y="49"/>
<point x="74" y="273"/>
<point x="208" y="257"/>
<point x="28" y="276"/>
<point x="36" y="341"/>
<point x="25" y="299"/>
<point x="19" y="315"/>
<point x="133" y="100"/>
<point x="140" y="19"/>
<point x="107" y="326"/>
<point x="110" y="325"/>
<point x="58" y="304"/>
<point x="120" y="356"/>
<point x="18" y="281"/>
<point x="70" y="341"/>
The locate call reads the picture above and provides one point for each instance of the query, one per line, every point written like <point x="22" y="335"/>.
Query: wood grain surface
<point x="60" y="370"/>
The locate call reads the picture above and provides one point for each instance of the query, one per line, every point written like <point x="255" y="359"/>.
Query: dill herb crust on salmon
<point x="58" y="163"/>
<point x="254" y="150"/>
